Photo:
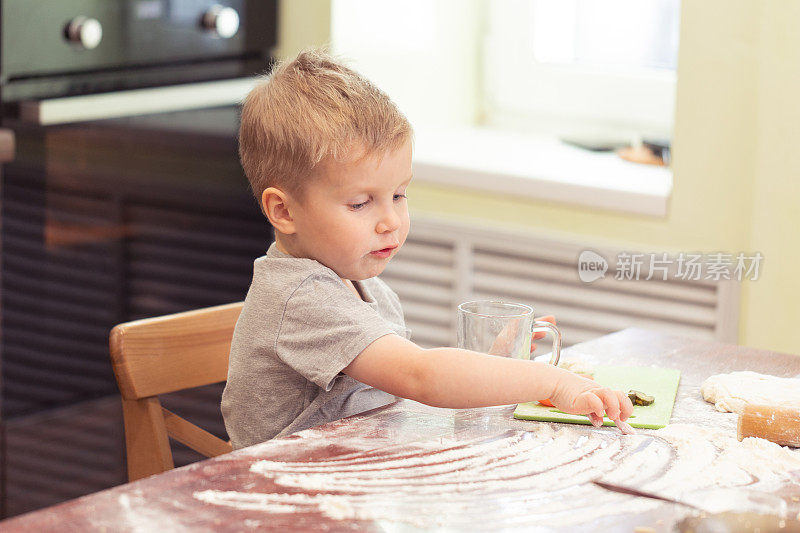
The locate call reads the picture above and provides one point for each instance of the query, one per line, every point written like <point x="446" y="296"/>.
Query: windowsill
<point x="541" y="169"/>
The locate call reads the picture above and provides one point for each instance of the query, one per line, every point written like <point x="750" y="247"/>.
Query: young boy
<point x="320" y="337"/>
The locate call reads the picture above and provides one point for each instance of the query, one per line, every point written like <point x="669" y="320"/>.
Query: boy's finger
<point x="625" y="428"/>
<point x="548" y="318"/>
<point x="594" y="406"/>
<point x="611" y="403"/>
<point x="625" y="404"/>
<point x="540" y="334"/>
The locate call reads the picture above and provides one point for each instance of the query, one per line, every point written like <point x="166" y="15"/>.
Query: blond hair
<point x="310" y="108"/>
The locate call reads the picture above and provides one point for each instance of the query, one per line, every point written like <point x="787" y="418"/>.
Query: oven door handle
<point x="132" y="102"/>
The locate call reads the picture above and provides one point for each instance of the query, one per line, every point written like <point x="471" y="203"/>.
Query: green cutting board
<point x="661" y="383"/>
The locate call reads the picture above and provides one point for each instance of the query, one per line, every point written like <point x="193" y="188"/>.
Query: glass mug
<point x="501" y="328"/>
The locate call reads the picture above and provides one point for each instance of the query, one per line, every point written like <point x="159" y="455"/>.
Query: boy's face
<point x="354" y="216"/>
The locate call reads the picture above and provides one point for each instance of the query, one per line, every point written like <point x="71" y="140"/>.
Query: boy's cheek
<point x="405" y="224"/>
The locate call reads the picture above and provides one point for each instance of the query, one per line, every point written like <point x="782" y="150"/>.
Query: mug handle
<point x="547" y="327"/>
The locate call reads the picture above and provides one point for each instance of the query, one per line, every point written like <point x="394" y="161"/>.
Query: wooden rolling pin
<point x="777" y="424"/>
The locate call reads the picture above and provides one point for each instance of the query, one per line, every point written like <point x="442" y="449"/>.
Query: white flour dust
<point x="517" y="478"/>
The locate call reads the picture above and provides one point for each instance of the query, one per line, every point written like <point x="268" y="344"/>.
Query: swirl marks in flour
<point x="512" y="479"/>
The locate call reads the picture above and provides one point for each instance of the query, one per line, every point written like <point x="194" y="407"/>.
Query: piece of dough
<point x="731" y="392"/>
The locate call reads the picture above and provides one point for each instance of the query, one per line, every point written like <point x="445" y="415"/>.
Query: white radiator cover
<point x="445" y="263"/>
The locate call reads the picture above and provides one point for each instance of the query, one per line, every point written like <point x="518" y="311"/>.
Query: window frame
<point x="565" y="99"/>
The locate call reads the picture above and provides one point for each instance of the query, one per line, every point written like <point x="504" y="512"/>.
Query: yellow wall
<point x="773" y="304"/>
<point x="736" y="162"/>
<point x="302" y="23"/>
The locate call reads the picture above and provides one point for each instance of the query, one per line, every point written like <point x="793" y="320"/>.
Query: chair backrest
<point x="167" y="354"/>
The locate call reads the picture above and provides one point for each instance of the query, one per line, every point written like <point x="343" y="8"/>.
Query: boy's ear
<point x="274" y="203"/>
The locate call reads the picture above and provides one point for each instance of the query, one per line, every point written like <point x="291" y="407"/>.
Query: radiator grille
<point x="443" y="264"/>
<point x="423" y="275"/>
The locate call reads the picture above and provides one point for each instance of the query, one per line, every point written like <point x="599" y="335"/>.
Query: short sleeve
<point x="398" y="315"/>
<point x="324" y="327"/>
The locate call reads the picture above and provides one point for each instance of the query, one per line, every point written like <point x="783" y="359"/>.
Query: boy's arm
<point x="451" y="377"/>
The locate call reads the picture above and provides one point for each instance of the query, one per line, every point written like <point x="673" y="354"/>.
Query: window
<point x="362" y="25"/>
<point x="576" y="67"/>
<point x="423" y="53"/>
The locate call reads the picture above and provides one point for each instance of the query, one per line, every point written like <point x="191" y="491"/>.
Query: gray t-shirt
<point x="299" y="327"/>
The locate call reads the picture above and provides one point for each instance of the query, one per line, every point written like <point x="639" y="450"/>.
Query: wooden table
<point x="398" y="437"/>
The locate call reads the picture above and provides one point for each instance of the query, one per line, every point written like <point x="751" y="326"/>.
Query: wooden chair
<point x="168" y="354"/>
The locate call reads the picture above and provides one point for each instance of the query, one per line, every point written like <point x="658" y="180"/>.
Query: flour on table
<point x="517" y="479"/>
<point x="731" y="392"/>
<point x="576" y="365"/>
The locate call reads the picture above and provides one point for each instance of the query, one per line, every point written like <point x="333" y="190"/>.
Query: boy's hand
<point x="504" y="342"/>
<point x="581" y="396"/>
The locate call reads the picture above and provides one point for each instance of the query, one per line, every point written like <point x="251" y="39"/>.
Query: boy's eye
<point x="356" y="207"/>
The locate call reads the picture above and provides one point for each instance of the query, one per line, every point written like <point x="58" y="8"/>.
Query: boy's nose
<point x="389" y="222"/>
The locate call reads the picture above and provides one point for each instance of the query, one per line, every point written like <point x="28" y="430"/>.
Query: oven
<point x="123" y="199"/>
